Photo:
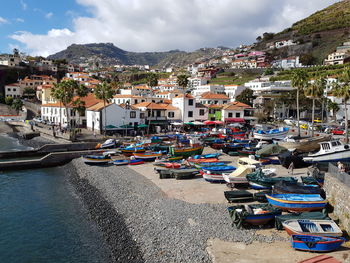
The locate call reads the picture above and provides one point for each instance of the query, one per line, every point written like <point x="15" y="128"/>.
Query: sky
<point x="44" y="27"/>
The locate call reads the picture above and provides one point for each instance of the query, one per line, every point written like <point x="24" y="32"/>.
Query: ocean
<point x="42" y="219"/>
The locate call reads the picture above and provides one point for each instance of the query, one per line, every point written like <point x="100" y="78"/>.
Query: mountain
<point x="107" y="53"/>
<point x="317" y="35"/>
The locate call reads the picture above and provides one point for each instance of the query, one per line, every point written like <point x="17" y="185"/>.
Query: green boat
<point x="185" y="152"/>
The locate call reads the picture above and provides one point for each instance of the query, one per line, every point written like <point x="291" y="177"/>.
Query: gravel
<point x="140" y="223"/>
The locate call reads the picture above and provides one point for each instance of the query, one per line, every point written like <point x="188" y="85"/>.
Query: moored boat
<point x="258" y="180"/>
<point x="212" y="177"/>
<point x="219" y="169"/>
<point x="147" y="156"/>
<point x="186" y="151"/>
<point x="96" y="160"/>
<point x="186" y="173"/>
<point x="283" y="187"/>
<point x="303" y="144"/>
<point x="297" y="202"/>
<point x="312" y="227"/>
<point x="272" y="134"/>
<point x="316" y="243"/>
<point x="209" y="160"/>
<point x="129" y="151"/>
<point x="136" y="162"/>
<point x="120" y="162"/>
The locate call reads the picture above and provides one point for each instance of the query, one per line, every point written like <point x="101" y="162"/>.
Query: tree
<point x="342" y="91"/>
<point x="2" y="98"/>
<point x="299" y="81"/>
<point x="28" y="91"/>
<point x="315" y="91"/>
<point x="104" y="92"/>
<point x="269" y="71"/>
<point x="152" y="80"/>
<point x="17" y="105"/>
<point x="182" y="81"/>
<point x="307" y="59"/>
<point x="8" y="100"/>
<point x="334" y="107"/>
<point x="246" y="97"/>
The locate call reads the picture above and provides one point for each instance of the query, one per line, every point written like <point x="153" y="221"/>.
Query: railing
<point x="341" y="176"/>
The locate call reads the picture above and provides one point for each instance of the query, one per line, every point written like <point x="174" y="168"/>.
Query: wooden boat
<point x="120" y="162"/>
<point x="175" y="158"/>
<point x="136" y="162"/>
<point x="331" y="151"/>
<point x="129" y="151"/>
<point x="209" y="160"/>
<point x="256" y="214"/>
<point x="110" y="143"/>
<point x="147" y="156"/>
<point x="316" y="243"/>
<point x="321" y="259"/>
<point x="212" y="178"/>
<point x="232" y="147"/>
<point x="203" y="165"/>
<point x="244" y="196"/>
<point x="312" y="227"/>
<point x="96" y="160"/>
<point x="186" y="173"/>
<point x="272" y="134"/>
<point x="246" y="151"/>
<point x="258" y="180"/>
<point x="219" y="169"/>
<point x="297" y="202"/>
<point x="186" y="151"/>
<point x="217" y="146"/>
<point x="304" y="144"/>
<point x="206" y="156"/>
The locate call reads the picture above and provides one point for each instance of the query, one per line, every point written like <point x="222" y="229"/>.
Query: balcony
<point x="162" y="118"/>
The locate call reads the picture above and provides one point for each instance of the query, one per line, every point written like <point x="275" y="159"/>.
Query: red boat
<point x="208" y="160"/>
<point x="217" y="146"/>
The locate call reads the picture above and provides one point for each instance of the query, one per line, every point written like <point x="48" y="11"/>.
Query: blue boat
<point x="96" y="159"/>
<point x="297" y="202"/>
<point x="206" y="156"/>
<point x="120" y="162"/>
<point x="204" y="165"/>
<point x="220" y="169"/>
<point x="316" y="243"/>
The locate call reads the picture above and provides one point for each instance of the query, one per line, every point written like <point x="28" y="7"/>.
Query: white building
<point x="232" y="91"/>
<point x="260" y="87"/>
<point x="336" y="58"/>
<point x="116" y="116"/>
<point x="213" y="98"/>
<point x="199" y="90"/>
<point x="190" y="109"/>
<point x="195" y="82"/>
<point x="131" y="99"/>
<point x="286" y="63"/>
<point x="285" y="43"/>
<point x="234" y="110"/>
<point x="14" y="90"/>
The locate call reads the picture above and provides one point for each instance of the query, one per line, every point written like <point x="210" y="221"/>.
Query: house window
<point x="171" y="114"/>
<point x="215" y="102"/>
<point x="230" y="114"/>
<point x="190" y="102"/>
<point x="238" y="114"/>
<point x="158" y="113"/>
<point x="14" y="89"/>
<point x="8" y="89"/>
<point x="132" y="114"/>
<point x="201" y="112"/>
<point x="142" y="115"/>
<point x="225" y="101"/>
<point x="135" y="101"/>
<point x="190" y="114"/>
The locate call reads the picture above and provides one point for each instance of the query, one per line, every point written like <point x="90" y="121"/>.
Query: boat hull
<point x="316" y="243"/>
<point x="343" y="156"/>
<point x="296" y="205"/>
<point x="312" y="227"/>
<point x="272" y="136"/>
<point x="305" y="145"/>
<point x="147" y="157"/>
<point x="186" y="152"/>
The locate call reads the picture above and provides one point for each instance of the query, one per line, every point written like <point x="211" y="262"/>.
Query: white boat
<point x="212" y="178"/>
<point x="331" y="151"/>
<point x="273" y="134"/>
<point x="306" y="144"/>
<point x="312" y="227"/>
<point x="110" y="143"/>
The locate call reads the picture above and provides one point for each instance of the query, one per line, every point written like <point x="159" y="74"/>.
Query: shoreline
<point x="159" y="228"/>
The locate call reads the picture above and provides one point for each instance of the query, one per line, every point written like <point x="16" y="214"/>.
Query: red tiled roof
<point x="209" y="95"/>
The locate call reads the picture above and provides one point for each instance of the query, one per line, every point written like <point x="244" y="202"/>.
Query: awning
<point x="218" y="122"/>
<point x="126" y="126"/>
<point x="189" y="123"/>
<point x="198" y="123"/>
<point x="176" y="123"/>
<point x="238" y="120"/>
<point x="142" y="126"/>
<point x="160" y="122"/>
<point x="209" y="123"/>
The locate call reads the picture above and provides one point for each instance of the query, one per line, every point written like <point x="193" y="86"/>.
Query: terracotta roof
<point x="13" y="84"/>
<point x="89" y="100"/>
<point x="46" y="86"/>
<point x="155" y="106"/>
<point x="120" y="96"/>
<point x="142" y="87"/>
<point x="214" y="106"/>
<point x="209" y="95"/>
<point x="236" y="105"/>
<point x="97" y="107"/>
<point x="131" y="106"/>
<point x="186" y="95"/>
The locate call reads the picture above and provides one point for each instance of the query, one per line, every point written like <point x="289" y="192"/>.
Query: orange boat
<point x="209" y="160"/>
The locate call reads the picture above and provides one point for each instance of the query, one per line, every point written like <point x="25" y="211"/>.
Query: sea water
<point x="42" y="219"/>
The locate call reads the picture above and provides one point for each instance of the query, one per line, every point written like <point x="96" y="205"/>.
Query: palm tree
<point x="299" y="80"/>
<point x="341" y="90"/>
<point x="152" y="80"/>
<point x="334" y="107"/>
<point x="315" y="91"/>
<point x="104" y="92"/>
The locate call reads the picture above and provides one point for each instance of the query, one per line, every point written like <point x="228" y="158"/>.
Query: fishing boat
<point x="258" y="180"/>
<point x="110" y="143"/>
<point x="308" y="144"/>
<point x="96" y="159"/>
<point x="297" y="202"/>
<point x="129" y="151"/>
<point x="312" y="227"/>
<point x="186" y="173"/>
<point x="246" y="151"/>
<point x="120" y="162"/>
<point x="175" y="158"/>
<point x="331" y="151"/>
<point x="256" y="214"/>
<point x="136" y="162"/>
<point x="273" y="134"/>
<point x="244" y="196"/>
<point x="173" y="165"/>
<point x="316" y="243"/>
<point x="212" y="177"/>
<point x="206" y="156"/>
<point x="148" y="157"/>
<point x="209" y="160"/>
<point x="219" y="169"/>
<point x="203" y="165"/>
<point x="284" y="187"/>
<point x="186" y="151"/>
<point x="232" y="147"/>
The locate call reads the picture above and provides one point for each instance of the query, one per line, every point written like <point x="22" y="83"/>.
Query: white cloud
<point x="49" y="15"/>
<point x="20" y="20"/>
<point x="155" y="25"/>
<point x="3" y="20"/>
<point x="23" y="5"/>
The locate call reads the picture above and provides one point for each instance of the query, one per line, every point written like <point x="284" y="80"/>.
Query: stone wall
<point x="338" y="195"/>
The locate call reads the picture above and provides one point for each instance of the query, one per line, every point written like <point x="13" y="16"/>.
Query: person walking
<point x="291" y="168"/>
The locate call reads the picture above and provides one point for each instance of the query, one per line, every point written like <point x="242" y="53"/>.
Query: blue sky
<point x="44" y="27"/>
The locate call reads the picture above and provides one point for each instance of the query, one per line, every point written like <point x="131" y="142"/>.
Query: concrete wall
<point x="338" y="196"/>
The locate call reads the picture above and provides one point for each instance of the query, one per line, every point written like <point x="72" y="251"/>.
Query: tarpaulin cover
<point x="283" y="187"/>
<point x="286" y="158"/>
<point x="271" y="149"/>
<point x="306" y="215"/>
<point x="239" y="217"/>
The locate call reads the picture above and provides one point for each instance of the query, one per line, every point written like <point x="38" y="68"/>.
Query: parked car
<point x="337" y="132"/>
